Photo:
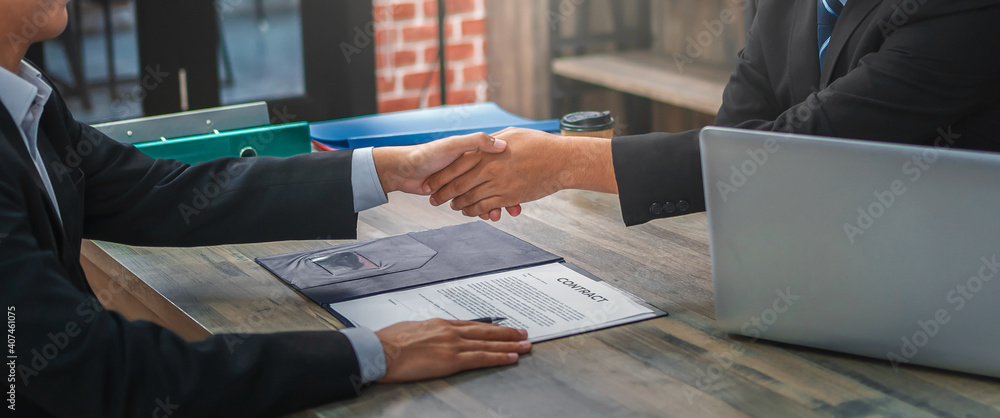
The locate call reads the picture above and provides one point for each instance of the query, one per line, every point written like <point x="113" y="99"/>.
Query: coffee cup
<point x="591" y="124"/>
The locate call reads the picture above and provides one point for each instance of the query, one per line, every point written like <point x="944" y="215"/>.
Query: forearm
<point x="221" y="202"/>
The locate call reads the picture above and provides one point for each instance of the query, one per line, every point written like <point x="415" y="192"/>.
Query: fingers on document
<point x="487" y="345"/>
<point x="489" y="332"/>
<point x="482" y="359"/>
<point x="520" y="347"/>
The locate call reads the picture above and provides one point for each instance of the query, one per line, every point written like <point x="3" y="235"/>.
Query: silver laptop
<point x="886" y="251"/>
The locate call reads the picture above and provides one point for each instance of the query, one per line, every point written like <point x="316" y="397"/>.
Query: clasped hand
<point x="523" y="166"/>
<point x="481" y="172"/>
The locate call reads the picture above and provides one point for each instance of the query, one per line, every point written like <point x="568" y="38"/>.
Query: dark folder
<point x="367" y="268"/>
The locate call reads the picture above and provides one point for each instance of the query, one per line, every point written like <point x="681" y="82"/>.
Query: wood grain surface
<point x="681" y="365"/>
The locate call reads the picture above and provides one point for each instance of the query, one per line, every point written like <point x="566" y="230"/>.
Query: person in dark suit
<point x="907" y="71"/>
<point x="61" y="181"/>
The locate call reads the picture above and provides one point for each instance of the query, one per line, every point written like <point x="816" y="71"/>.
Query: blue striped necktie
<point x="827" y="13"/>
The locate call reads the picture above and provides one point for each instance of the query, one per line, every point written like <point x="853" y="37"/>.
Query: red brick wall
<point x="406" y="53"/>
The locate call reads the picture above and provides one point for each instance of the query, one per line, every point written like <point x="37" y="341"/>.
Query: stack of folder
<point x="420" y="126"/>
<point x="389" y="129"/>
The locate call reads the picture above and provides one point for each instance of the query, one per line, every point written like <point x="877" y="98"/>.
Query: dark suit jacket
<point x="896" y="71"/>
<point x="76" y="359"/>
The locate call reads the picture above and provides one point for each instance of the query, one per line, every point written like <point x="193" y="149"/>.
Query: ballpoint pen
<point x="490" y="320"/>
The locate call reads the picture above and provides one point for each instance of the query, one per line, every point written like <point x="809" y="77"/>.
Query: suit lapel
<point x="805" y="72"/>
<point x="851" y="18"/>
<point x="66" y="181"/>
<point x="67" y="248"/>
<point x="13" y="136"/>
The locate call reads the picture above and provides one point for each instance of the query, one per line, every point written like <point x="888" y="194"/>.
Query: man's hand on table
<point x="437" y="348"/>
<point x="407" y="169"/>
<point x="534" y="165"/>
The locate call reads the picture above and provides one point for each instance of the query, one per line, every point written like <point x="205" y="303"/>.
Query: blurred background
<point x="656" y="64"/>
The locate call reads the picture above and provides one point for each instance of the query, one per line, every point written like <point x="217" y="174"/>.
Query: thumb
<point x="478" y="141"/>
<point x="496" y="146"/>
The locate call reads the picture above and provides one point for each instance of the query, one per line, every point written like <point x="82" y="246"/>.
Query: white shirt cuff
<point x="368" y="348"/>
<point x="368" y="191"/>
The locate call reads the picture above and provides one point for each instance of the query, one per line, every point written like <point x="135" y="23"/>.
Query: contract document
<point x="549" y="301"/>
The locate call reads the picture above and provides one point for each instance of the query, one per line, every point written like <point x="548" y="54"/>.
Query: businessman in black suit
<point x="907" y="71"/>
<point x="61" y="181"/>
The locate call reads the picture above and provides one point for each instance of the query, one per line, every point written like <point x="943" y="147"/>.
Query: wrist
<point x="390" y="352"/>
<point x="589" y="165"/>
<point x="385" y="161"/>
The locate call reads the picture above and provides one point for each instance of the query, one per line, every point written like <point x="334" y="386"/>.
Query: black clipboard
<point x="368" y="268"/>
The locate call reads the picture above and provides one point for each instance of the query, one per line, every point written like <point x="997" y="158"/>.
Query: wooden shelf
<point x="650" y="75"/>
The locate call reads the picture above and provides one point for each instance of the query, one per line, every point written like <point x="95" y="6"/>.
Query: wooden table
<point x="680" y="365"/>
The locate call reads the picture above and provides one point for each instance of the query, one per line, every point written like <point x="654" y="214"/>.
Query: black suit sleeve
<point x="923" y="79"/>
<point x="75" y="359"/>
<point x="137" y="200"/>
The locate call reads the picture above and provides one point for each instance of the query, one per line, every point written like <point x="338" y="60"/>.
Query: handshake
<point x="482" y="174"/>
